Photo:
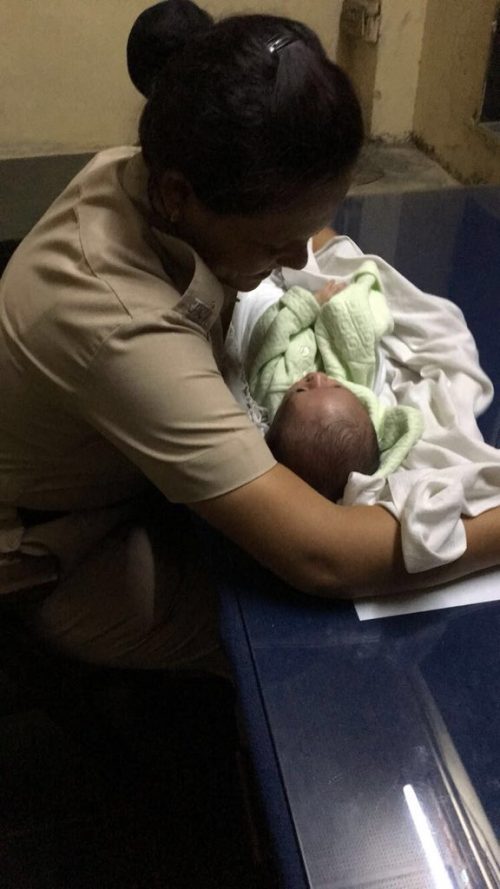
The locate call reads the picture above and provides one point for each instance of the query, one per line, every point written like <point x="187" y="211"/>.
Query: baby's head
<point x="322" y="432"/>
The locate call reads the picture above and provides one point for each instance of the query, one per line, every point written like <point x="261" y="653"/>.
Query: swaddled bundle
<point x="428" y="361"/>
<point x="296" y="336"/>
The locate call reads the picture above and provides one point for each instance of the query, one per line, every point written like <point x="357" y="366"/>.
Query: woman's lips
<point x="243" y="281"/>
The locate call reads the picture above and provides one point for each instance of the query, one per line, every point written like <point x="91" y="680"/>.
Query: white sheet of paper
<point x="484" y="587"/>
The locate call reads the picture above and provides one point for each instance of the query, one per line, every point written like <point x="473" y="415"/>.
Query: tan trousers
<point x="137" y="597"/>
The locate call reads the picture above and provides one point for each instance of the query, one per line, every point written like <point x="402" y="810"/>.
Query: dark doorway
<point x="491" y="103"/>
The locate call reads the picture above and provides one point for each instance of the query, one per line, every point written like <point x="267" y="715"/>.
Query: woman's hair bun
<point x="158" y="32"/>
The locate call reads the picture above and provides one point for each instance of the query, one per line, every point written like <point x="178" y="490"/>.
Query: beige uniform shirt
<point x="109" y="332"/>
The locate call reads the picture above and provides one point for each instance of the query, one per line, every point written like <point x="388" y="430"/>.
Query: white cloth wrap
<point x="430" y="361"/>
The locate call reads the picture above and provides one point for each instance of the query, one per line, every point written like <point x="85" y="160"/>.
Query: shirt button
<point x="304" y="350"/>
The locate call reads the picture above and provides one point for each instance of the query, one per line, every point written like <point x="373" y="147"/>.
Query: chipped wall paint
<point x="455" y="56"/>
<point x="386" y="73"/>
<point x="398" y="68"/>
<point x="65" y="87"/>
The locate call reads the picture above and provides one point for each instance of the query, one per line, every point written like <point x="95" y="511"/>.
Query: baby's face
<point x="317" y="397"/>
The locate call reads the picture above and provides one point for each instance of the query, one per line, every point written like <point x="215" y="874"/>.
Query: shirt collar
<point x="202" y="294"/>
<point x="202" y="297"/>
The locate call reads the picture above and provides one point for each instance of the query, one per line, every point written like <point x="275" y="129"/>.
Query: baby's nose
<point x="317" y="379"/>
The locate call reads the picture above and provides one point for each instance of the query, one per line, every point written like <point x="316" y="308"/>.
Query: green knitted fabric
<point x="295" y="336"/>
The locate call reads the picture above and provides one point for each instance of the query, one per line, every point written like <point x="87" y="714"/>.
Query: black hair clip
<point x="276" y="44"/>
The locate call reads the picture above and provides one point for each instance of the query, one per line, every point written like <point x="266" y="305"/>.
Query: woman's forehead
<point x="313" y="211"/>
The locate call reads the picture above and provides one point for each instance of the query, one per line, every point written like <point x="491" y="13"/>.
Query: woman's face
<point x="242" y="250"/>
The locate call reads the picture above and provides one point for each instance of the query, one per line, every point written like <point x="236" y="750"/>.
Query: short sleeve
<point x="154" y="390"/>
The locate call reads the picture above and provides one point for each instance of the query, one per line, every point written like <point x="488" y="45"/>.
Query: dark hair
<point x="250" y="129"/>
<point x="324" y="454"/>
<point x="158" y="32"/>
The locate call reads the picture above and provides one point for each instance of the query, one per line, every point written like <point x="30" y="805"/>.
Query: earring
<point x="174" y="217"/>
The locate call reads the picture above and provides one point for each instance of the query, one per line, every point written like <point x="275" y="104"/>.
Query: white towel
<point x="431" y="363"/>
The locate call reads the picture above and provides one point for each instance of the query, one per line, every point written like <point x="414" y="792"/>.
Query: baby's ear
<point x="175" y="191"/>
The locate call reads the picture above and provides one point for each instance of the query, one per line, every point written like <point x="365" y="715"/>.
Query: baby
<point x="329" y="422"/>
<point x="412" y="363"/>
<point x="321" y="430"/>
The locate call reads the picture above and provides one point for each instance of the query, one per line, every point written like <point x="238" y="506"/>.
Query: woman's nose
<point x="295" y="258"/>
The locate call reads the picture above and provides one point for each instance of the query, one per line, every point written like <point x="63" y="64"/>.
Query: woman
<point x="112" y="322"/>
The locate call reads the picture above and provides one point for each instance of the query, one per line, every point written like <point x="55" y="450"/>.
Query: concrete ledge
<point x="28" y="185"/>
<point x="386" y="168"/>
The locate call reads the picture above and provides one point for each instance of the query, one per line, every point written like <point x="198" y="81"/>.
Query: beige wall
<point x="64" y="85"/>
<point x="321" y="15"/>
<point x="454" y="60"/>
<point x="63" y="80"/>
<point x="425" y="78"/>
<point x="398" y="68"/>
<point x="360" y="60"/>
<point x="65" y="89"/>
<point x="386" y="73"/>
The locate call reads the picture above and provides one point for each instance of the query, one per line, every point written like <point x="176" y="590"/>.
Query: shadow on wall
<point x="491" y="103"/>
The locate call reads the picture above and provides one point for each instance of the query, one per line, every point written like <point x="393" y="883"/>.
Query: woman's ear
<point x="175" y="192"/>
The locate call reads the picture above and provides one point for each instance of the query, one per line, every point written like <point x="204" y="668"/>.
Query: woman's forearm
<point x="335" y="551"/>
<point x="379" y="569"/>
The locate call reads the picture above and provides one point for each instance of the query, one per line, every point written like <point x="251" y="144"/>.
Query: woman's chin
<point x="247" y="283"/>
<point x="239" y="281"/>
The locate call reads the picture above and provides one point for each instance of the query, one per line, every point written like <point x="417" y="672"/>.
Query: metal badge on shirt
<point x="196" y="310"/>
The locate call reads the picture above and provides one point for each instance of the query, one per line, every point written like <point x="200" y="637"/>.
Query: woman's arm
<point x="334" y="551"/>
